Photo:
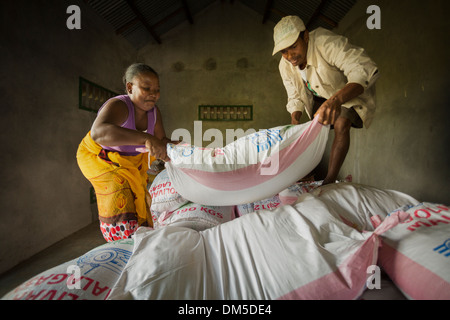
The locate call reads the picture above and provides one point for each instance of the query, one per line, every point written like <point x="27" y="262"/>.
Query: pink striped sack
<point x="293" y="252"/>
<point x="253" y="167"/>
<point x="416" y="253"/>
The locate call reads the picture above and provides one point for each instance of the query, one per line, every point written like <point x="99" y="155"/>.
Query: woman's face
<point x="144" y="91"/>
<point x="296" y="53"/>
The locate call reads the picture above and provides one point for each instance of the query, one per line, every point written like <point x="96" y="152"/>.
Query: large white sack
<point x="254" y="167"/>
<point x="360" y="206"/>
<point x="89" y="277"/>
<point x="416" y="253"/>
<point x="300" y="252"/>
<point x="165" y="198"/>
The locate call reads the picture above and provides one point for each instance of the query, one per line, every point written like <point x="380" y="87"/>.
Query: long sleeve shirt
<point x="332" y="62"/>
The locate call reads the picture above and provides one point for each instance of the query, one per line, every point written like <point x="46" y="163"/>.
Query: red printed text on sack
<point x="54" y="279"/>
<point x="428" y="217"/>
<point x="269" y="206"/>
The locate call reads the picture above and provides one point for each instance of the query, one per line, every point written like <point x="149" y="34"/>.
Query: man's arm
<point x="295" y="117"/>
<point x="330" y="110"/>
<point x="294" y="106"/>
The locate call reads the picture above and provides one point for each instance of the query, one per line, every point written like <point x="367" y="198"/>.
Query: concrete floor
<point x="65" y="250"/>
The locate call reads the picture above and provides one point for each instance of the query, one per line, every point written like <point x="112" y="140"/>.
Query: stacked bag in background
<point x="271" y="203"/>
<point x="168" y="207"/>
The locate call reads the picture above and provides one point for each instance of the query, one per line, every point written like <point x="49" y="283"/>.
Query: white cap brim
<point x="285" y="43"/>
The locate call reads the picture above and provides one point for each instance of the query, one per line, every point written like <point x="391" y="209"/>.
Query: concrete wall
<point x="44" y="197"/>
<point x="407" y="146"/>
<point x="225" y="57"/>
<point x="404" y="149"/>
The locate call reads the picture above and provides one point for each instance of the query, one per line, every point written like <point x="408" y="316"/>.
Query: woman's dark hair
<point x="302" y="34"/>
<point x="136" y="69"/>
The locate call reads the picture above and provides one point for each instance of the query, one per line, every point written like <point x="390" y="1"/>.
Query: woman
<point x="110" y="155"/>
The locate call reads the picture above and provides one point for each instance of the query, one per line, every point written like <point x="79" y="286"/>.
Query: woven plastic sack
<point x="293" y="252"/>
<point x="265" y="204"/>
<point x="361" y="206"/>
<point x="165" y="198"/>
<point x="195" y="216"/>
<point x="89" y="277"/>
<point x="416" y="253"/>
<point x="253" y="167"/>
<point x="290" y="194"/>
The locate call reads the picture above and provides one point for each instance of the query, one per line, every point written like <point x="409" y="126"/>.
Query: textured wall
<point x="225" y="57"/>
<point x="406" y="148"/>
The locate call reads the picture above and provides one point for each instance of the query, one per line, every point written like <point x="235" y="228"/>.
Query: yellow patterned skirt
<point x="120" y="183"/>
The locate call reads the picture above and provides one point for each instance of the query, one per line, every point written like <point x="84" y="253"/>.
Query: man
<point x="328" y="77"/>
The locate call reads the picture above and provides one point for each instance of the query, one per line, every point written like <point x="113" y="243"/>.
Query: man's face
<point x="296" y="53"/>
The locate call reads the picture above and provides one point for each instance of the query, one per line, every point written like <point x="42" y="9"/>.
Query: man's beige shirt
<point x="332" y="62"/>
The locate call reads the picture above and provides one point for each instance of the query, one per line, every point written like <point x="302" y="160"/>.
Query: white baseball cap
<point x="286" y="32"/>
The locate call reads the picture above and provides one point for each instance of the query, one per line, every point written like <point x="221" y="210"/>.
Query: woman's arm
<point x="106" y="130"/>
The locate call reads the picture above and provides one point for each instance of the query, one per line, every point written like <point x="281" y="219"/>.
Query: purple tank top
<point x="130" y="123"/>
